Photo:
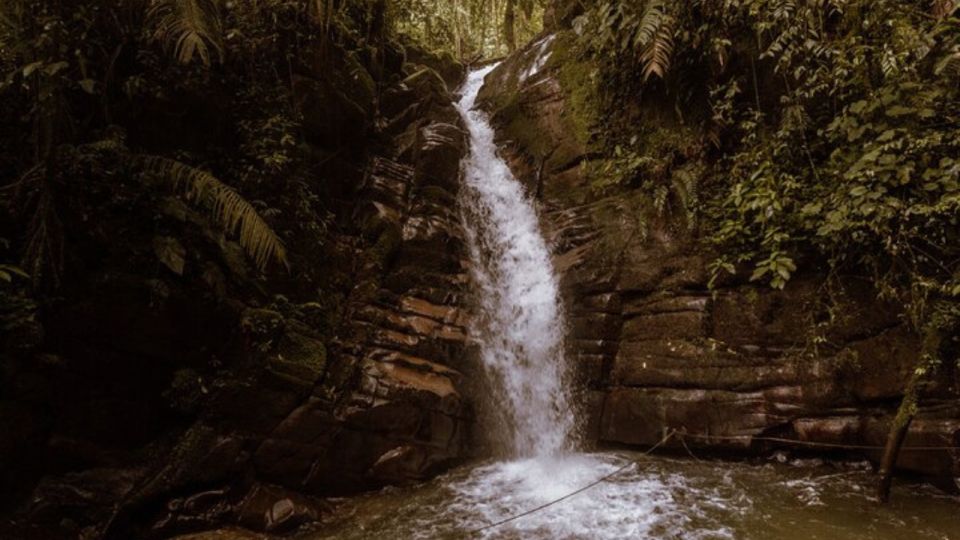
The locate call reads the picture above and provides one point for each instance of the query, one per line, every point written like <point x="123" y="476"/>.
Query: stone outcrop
<point x="252" y="408"/>
<point x="658" y="350"/>
<point x="383" y="403"/>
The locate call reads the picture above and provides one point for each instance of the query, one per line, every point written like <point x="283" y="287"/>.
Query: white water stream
<point x="520" y="325"/>
<point x="520" y="331"/>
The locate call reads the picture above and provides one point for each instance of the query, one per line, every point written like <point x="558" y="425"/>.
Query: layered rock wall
<point x="659" y="350"/>
<point x="191" y="401"/>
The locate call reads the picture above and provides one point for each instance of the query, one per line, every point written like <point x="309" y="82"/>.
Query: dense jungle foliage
<point x="176" y="165"/>
<point x="102" y="99"/>
<point x="817" y="133"/>
<point x="205" y="154"/>
<point x="470" y="29"/>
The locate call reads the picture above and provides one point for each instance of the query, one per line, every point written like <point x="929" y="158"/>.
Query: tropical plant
<point x="834" y="129"/>
<point x="230" y="210"/>
<point x="639" y="31"/>
<point x="189" y="28"/>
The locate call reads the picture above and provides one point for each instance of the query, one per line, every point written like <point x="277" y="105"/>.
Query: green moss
<point x="578" y="80"/>
<point x="624" y="220"/>
<point x="386" y="246"/>
<point x="579" y="121"/>
<point x="360" y="85"/>
<point x="524" y="130"/>
<point x="299" y="357"/>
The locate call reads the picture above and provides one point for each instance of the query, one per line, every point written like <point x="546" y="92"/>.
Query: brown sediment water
<point x="655" y="498"/>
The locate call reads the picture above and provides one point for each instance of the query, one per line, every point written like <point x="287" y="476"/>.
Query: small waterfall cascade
<point x="520" y="324"/>
<point x="544" y="488"/>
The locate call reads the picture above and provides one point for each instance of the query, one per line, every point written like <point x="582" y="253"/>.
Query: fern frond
<point x="227" y="207"/>
<point x="654" y="14"/>
<point x="190" y="28"/>
<point x="684" y="186"/>
<point x="657" y="52"/>
<point x="784" y="9"/>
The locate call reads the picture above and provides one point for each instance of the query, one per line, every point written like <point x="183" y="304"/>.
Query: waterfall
<point x="520" y="324"/>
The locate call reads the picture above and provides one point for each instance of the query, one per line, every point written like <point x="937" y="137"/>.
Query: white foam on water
<point x="520" y="331"/>
<point x="541" y="55"/>
<point x="632" y="504"/>
<point x="519" y="324"/>
<point x="650" y="498"/>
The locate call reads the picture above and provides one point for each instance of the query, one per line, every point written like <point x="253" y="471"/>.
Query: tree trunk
<point x="892" y="450"/>
<point x="457" y="32"/>
<point x="509" y="18"/>
<point x="482" y="10"/>
<point x="929" y="362"/>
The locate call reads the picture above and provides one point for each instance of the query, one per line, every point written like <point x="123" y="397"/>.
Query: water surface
<point x="654" y="498"/>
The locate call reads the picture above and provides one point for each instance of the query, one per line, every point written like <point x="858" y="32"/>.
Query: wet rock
<point x="232" y="533"/>
<point x="451" y="72"/>
<point x="198" y="511"/>
<point x="679" y="325"/>
<point x="276" y="510"/>
<point x="79" y="500"/>
<point x="761" y="316"/>
<point x="644" y="416"/>
<point x="439" y="149"/>
<point x="727" y="364"/>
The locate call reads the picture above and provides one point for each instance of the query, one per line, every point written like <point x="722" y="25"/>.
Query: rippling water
<point x="654" y="498"/>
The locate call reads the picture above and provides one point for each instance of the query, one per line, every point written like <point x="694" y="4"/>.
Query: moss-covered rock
<point x="450" y="70"/>
<point x="548" y="118"/>
<point x="299" y="355"/>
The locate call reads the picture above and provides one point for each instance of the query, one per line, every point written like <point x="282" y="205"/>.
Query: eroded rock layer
<point x="254" y="404"/>
<point x="729" y="367"/>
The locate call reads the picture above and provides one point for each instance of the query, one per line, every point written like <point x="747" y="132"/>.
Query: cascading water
<point x="520" y="332"/>
<point x="520" y="327"/>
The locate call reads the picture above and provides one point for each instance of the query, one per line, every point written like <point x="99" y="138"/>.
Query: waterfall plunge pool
<point x="520" y="330"/>
<point x="656" y="498"/>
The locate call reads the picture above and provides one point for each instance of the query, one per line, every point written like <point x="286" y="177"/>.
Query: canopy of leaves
<point x="831" y="130"/>
<point x="469" y="29"/>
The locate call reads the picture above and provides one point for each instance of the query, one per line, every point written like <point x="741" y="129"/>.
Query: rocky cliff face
<point x="658" y="350"/>
<point x="196" y="397"/>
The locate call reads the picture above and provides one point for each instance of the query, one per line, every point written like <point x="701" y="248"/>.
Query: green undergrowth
<point x="817" y="136"/>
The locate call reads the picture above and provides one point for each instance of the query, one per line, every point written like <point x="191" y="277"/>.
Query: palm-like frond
<point x="654" y="39"/>
<point x="190" y="28"/>
<point x="658" y="51"/>
<point x="948" y="62"/>
<point x="654" y="13"/>
<point x="227" y="207"/>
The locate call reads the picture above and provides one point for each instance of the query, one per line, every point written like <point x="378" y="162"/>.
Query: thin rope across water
<point x="576" y="492"/>
<point x="752" y="438"/>
<point x="702" y="437"/>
